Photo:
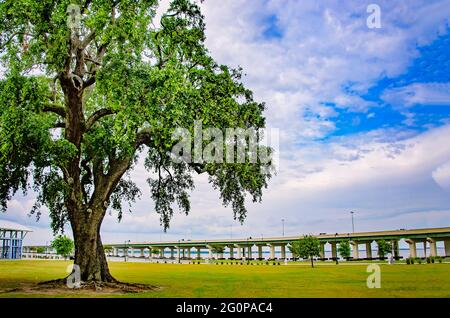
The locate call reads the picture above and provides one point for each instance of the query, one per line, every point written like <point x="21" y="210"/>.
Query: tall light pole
<point x="336" y="247"/>
<point x="178" y="252"/>
<point x="282" y="224"/>
<point x="353" y="221"/>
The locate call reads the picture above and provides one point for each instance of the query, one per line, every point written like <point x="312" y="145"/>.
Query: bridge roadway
<point x="244" y="247"/>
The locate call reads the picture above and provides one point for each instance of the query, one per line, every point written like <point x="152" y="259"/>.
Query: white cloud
<point x="418" y="94"/>
<point x="442" y="176"/>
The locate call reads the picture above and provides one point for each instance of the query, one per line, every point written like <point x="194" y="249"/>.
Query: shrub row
<point x="247" y="263"/>
<point x="429" y="260"/>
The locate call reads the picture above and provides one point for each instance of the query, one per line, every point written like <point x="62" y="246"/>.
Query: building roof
<point x="8" y="225"/>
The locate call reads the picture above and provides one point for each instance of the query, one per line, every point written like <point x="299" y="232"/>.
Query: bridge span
<point x="239" y="249"/>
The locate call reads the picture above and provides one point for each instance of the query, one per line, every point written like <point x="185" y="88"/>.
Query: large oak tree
<point x="80" y="102"/>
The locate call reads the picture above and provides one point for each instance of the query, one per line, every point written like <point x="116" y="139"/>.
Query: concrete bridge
<point x="244" y="248"/>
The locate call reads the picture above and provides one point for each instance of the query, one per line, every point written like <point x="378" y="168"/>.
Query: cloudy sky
<point x="363" y="115"/>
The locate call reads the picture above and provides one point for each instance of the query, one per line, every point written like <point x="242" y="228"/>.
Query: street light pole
<point x="244" y="258"/>
<point x="353" y="222"/>
<point x="178" y="252"/>
<point x="335" y="242"/>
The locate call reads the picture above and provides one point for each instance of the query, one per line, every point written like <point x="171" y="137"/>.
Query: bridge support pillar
<point x="142" y="252"/>
<point x="447" y="248"/>
<point x="433" y="247"/>
<point x="322" y="250"/>
<point x="189" y="253"/>
<point x="239" y="252"/>
<point x="171" y="253"/>
<point x="272" y="252"/>
<point x="369" y="250"/>
<point x="395" y="249"/>
<point x="131" y="252"/>
<point x="198" y="252"/>
<point x="355" y="252"/>
<point x="412" y="248"/>
<point x="283" y="252"/>
<point x="250" y="254"/>
<point x="260" y="255"/>
<point x="210" y="252"/>
<point x="425" y="248"/>
<point x="231" y="247"/>
<point x="333" y="250"/>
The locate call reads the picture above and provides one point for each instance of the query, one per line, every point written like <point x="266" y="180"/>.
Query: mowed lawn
<point x="175" y="280"/>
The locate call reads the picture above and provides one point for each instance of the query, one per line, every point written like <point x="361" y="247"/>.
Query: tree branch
<point x="56" y="109"/>
<point x="97" y="116"/>
<point x="143" y="137"/>
<point x="88" y="39"/>
<point x="95" y="65"/>
<point x="198" y="167"/>
<point x="60" y="125"/>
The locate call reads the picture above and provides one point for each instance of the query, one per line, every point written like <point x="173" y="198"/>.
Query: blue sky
<point x="432" y="68"/>
<point x="363" y="114"/>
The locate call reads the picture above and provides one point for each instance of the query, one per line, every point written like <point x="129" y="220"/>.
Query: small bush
<point x="428" y="260"/>
<point x="279" y="263"/>
<point x="419" y="261"/>
<point x="408" y="261"/>
<point x="267" y="263"/>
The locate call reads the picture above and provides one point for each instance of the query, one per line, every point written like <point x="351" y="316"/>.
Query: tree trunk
<point x="312" y="261"/>
<point x="89" y="253"/>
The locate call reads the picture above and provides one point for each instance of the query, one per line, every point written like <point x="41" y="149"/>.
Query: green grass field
<point x="174" y="280"/>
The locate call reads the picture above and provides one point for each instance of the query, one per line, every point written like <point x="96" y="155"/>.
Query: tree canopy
<point x="307" y="247"/>
<point x="384" y="248"/>
<point x="344" y="249"/>
<point x="89" y="87"/>
<point x="63" y="245"/>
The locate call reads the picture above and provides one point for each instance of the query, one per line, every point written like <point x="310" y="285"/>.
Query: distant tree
<point x="107" y="248"/>
<point x="63" y="245"/>
<point x="216" y="249"/>
<point x="294" y="249"/>
<point x="308" y="247"/>
<point x="344" y="249"/>
<point x="155" y="251"/>
<point x="40" y="250"/>
<point x="383" y="248"/>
